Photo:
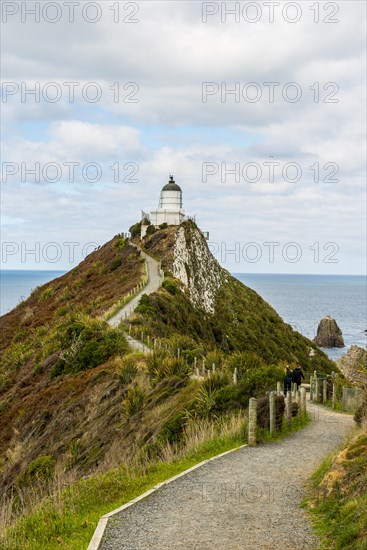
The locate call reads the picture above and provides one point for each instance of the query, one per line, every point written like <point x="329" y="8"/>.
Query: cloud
<point x="168" y="55"/>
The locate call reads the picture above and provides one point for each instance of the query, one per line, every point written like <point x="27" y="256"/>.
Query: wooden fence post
<point x="311" y="387"/>
<point x="252" y="420"/>
<point x="298" y="400"/>
<point x="324" y="391"/>
<point x="235" y="376"/>
<point x="279" y="388"/>
<point x="272" y="425"/>
<point x="289" y="407"/>
<point x="334" y="394"/>
<point x="303" y="400"/>
<point x="213" y="367"/>
<point x="316" y="399"/>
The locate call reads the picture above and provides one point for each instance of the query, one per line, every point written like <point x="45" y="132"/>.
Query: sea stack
<point x="329" y="334"/>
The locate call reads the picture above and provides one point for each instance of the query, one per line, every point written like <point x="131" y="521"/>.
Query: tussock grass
<point x="337" y="497"/>
<point x="67" y="517"/>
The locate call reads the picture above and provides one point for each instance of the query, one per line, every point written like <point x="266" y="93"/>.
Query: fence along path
<point x="154" y="282"/>
<point x="248" y="499"/>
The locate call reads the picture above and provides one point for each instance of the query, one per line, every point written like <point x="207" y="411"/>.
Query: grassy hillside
<point x="242" y="320"/>
<point x="338" y="498"/>
<point x="58" y="331"/>
<point x="75" y="401"/>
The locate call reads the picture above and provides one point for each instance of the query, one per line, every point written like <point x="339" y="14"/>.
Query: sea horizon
<point x="302" y="300"/>
<point x="234" y="273"/>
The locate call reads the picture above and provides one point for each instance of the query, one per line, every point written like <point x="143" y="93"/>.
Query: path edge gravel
<point x="102" y="523"/>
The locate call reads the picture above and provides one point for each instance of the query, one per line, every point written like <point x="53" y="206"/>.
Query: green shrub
<point x="243" y="361"/>
<point x="215" y="381"/>
<point x="120" y="243"/>
<point x="154" y="361"/>
<point x="16" y="355"/>
<point x="213" y="357"/>
<point x="361" y="413"/>
<point x="39" y="470"/>
<point x="163" y="225"/>
<point x="135" y="230"/>
<point x="145" y="305"/>
<point x="173" y="429"/>
<point x="128" y="371"/>
<point x="64" y="310"/>
<point x="66" y="295"/>
<point x="170" y="286"/>
<point x="46" y="294"/>
<point x="115" y="264"/>
<point x="161" y="366"/>
<point x="133" y="403"/>
<point x="151" y="230"/>
<point x="182" y="342"/>
<point x="87" y="343"/>
<point x="78" y="283"/>
<point x="190" y="354"/>
<point x="214" y="396"/>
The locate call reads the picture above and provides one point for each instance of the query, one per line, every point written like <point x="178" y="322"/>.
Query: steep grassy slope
<point x="74" y="400"/>
<point x="92" y="287"/>
<point x="57" y="331"/>
<point x="216" y="309"/>
<point x="338" y="499"/>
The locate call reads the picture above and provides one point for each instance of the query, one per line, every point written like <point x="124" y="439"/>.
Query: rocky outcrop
<point x="329" y="334"/>
<point x="196" y="267"/>
<point x="354" y="365"/>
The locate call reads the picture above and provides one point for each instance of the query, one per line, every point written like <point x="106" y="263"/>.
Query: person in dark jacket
<point x="287" y="380"/>
<point x="298" y="375"/>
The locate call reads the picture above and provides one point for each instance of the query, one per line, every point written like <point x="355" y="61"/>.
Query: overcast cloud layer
<point x="163" y="108"/>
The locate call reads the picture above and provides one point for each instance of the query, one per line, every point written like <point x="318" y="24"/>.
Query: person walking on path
<point x="298" y="375"/>
<point x="287" y="380"/>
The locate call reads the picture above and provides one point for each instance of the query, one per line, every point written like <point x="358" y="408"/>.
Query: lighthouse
<point x="169" y="209"/>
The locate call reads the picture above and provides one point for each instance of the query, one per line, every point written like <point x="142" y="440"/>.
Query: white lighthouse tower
<point x="169" y="209"/>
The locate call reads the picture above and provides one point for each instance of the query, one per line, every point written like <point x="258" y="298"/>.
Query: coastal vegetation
<point x="337" y="498"/>
<point x="67" y="514"/>
<point x="337" y="494"/>
<point x="87" y="423"/>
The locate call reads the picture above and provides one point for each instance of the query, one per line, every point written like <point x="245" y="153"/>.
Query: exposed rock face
<point x="196" y="268"/>
<point x="329" y="334"/>
<point x="354" y="364"/>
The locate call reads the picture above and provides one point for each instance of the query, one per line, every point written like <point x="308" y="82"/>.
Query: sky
<point x="256" y="108"/>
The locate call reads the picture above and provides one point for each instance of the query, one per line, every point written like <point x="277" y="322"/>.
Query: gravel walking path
<point x="248" y="499"/>
<point x="155" y="279"/>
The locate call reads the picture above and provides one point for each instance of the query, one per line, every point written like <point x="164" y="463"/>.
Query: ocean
<point x="301" y="300"/>
<point x="17" y="285"/>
